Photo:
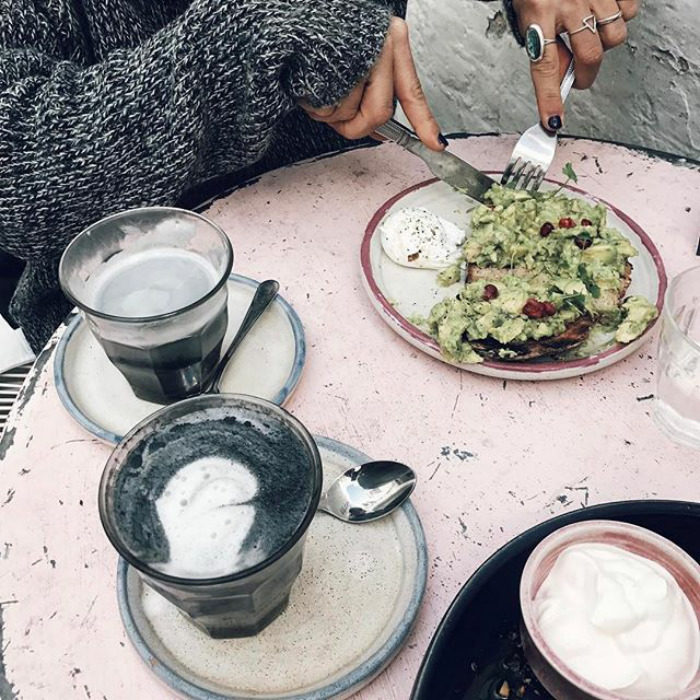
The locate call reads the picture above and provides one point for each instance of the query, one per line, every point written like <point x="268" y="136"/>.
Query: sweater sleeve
<point x="143" y="125"/>
<point x="512" y="18"/>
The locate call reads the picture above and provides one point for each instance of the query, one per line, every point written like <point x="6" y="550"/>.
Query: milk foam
<point x="150" y="282"/>
<point x="259" y="473"/>
<point x="206" y="514"/>
<point x="619" y="620"/>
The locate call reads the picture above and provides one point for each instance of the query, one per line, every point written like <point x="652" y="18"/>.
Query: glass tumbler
<point x="210" y="500"/>
<point x="677" y="399"/>
<point x="151" y="284"/>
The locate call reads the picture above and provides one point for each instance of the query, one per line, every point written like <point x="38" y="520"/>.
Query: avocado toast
<point x="542" y="270"/>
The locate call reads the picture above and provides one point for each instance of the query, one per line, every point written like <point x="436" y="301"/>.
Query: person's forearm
<point x="322" y="68"/>
<point x="78" y="143"/>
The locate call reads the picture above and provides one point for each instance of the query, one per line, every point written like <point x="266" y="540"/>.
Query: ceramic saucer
<point x="268" y="364"/>
<point x="350" y="612"/>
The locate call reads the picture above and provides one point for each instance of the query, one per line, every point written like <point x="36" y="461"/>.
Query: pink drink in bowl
<point x="672" y="587"/>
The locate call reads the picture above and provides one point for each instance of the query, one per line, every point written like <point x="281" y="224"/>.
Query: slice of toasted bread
<point x="576" y="332"/>
<point x="574" y="335"/>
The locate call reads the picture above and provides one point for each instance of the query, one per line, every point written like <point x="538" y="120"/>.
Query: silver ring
<point x="590" y="23"/>
<point x="609" y="20"/>
<point x="535" y="43"/>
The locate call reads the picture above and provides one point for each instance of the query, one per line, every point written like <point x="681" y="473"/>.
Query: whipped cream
<point x="619" y="620"/>
<point x="416" y="237"/>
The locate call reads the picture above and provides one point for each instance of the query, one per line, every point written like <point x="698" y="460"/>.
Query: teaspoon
<point x="368" y="492"/>
<point x="263" y="297"/>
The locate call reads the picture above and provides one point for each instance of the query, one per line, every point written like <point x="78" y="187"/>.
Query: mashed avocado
<point x="536" y="263"/>
<point x="638" y="314"/>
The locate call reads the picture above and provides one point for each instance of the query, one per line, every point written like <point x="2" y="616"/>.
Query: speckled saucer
<point x="350" y="612"/>
<point x="268" y="364"/>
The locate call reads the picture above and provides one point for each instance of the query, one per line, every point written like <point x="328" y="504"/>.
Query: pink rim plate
<point x="406" y="328"/>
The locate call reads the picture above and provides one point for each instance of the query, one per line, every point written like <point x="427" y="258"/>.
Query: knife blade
<point x="444" y="165"/>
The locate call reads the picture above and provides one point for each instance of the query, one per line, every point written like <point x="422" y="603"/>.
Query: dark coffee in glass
<point x="210" y="500"/>
<point x="151" y="284"/>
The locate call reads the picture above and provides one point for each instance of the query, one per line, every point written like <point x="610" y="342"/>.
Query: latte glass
<point x="151" y="284"/>
<point x="210" y="500"/>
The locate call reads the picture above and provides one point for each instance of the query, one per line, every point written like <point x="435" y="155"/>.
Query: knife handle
<point x="444" y="165"/>
<point x="396" y="132"/>
<point x="399" y="134"/>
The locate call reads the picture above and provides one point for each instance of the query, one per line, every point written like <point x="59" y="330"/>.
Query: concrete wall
<point x="477" y="78"/>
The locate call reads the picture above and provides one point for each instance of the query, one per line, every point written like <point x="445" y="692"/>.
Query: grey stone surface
<point x="647" y="94"/>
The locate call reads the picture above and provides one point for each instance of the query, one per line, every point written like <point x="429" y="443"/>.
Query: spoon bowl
<point x="368" y="492"/>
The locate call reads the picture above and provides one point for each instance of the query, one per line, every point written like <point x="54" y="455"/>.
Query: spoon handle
<point x="264" y="295"/>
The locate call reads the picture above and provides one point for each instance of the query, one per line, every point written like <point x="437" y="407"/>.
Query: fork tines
<point x="520" y="173"/>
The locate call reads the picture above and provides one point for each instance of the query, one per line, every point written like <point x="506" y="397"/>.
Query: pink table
<point x="493" y="458"/>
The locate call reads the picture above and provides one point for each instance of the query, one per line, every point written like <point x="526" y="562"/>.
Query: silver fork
<point x="534" y="152"/>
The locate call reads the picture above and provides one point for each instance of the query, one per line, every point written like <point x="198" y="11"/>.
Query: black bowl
<point x="476" y="653"/>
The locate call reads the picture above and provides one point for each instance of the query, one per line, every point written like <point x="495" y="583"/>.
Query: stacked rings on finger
<point x="535" y="43"/>
<point x="610" y="20"/>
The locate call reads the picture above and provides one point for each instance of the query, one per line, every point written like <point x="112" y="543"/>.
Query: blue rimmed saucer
<point x="268" y="364"/>
<point x="350" y="612"/>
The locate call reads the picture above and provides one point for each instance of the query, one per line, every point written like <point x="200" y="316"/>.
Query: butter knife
<point x="444" y="165"/>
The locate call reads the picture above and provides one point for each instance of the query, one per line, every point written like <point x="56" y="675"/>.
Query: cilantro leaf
<point x="591" y="286"/>
<point x="570" y="172"/>
<point x="577" y="300"/>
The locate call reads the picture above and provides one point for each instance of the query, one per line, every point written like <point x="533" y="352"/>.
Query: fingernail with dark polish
<point x="554" y="122"/>
<point x="443" y="140"/>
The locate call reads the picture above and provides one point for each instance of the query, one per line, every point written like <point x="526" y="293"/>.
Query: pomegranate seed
<point x="533" y="308"/>
<point x="586" y="222"/>
<point x="567" y="222"/>
<point x="490" y="292"/>
<point x="549" y="308"/>
<point x="582" y="243"/>
<point x="546" y="229"/>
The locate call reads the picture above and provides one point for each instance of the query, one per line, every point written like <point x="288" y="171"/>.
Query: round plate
<point x="350" y="612"/>
<point x="268" y="364"/>
<point x="399" y="292"/>
<point x="477" y="645"/>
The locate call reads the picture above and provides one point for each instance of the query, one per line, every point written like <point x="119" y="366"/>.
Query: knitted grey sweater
<point x="111" y="105"/>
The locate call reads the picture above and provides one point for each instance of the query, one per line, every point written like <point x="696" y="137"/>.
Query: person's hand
<point x="371" y="102"/>
<point x="558" y="16"/>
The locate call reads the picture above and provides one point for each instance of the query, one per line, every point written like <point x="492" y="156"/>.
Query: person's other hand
<point x="557" y="16"/>
<point x="371" y="102"/>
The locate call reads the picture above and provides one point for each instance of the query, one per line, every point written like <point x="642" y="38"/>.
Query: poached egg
<point x="416" y="237"/>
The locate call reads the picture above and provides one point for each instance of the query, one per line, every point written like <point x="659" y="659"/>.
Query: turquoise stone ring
<point x="535" y="42"/>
